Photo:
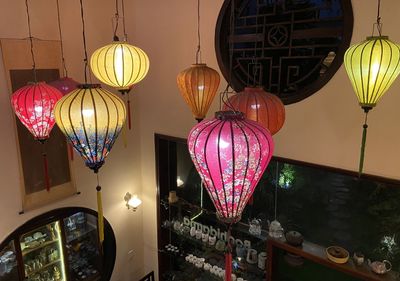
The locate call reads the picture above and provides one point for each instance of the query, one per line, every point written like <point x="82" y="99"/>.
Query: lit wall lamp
<point x="132" y="201"/>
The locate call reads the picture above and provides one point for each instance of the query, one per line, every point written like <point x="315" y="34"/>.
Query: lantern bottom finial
<point x="230" y="220"/>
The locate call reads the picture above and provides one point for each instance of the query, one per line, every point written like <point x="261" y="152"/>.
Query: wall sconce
<point x="132" y="201"/>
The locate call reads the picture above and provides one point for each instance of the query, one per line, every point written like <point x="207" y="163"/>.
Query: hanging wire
<point x="116" y="21"/>
<point x="378" y="23"/>
<point x="255" y="58"/>
<point x="61" y="40"/>
<point x="85" y="60"/>
<point x="225" y="94"/>
<point x="276" y="189"/>
<point x="198" y="52"/>
<point x="123" y="21"/>
<point x="31" y="41"/>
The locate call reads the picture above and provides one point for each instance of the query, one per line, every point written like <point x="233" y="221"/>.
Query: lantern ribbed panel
<point x="119" y="65"/>
<point x="260" y="106"/>
<point x="198" y="86"/>
<point x="230" y="153"/>
<point x="33" y="105"/>
<point x="91" y="118"/>
<point x="65" y="85"/>
<point x="372" y="66"/>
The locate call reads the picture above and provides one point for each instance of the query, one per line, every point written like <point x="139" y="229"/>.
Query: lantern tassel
<point x="129" y="112"/>
<point x="228" y="257"/>
<point x="363" y="143"/>
<point x="45" y="168"/>
<point x="100" y="218"/>
<point x="71" y="151"/>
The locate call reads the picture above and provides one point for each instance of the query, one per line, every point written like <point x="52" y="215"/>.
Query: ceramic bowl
<point x="337" y="254"/>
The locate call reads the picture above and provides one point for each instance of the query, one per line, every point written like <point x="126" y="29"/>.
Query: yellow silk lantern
<point x="198" y="86"/>
<point x="91" y="118"/>
<point x="372" y="67"/>
<point x="119" y="65"/>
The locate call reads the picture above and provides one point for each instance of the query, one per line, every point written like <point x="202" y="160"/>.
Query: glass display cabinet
<point x="81" y="245"/>
<point x="340" y="203"/>
<point x="8" y="263"/>
<point x="61" y="245"/>
<point x="42" y="253"/>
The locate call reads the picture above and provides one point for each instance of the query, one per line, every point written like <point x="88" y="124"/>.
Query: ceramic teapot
<point x="380" y="267"/>
<point x="255" y="227"/>
<point x="275" y="229"/>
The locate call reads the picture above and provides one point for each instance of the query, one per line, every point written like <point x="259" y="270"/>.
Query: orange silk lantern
<point x="198" y="85"/>
<point x="260" y="106"/>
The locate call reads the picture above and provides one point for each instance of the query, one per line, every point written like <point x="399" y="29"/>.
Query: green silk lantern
<point x="372" y="66"/>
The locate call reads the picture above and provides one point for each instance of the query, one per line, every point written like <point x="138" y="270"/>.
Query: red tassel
<point x="228" y="257"/>
<point x="228" y="266"/>
<point x="46" y="172"/>
<point x="71" y="152"/>
<point x="251" y="200"/>
<point x="129" y="113"/>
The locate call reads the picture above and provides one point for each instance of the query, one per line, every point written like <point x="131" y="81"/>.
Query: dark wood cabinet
<point x="286" y="261"/>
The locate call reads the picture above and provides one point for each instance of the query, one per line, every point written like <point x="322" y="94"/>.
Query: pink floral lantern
<point x="33" y="105"/>
<point x="65" y="85"/>
<point x="230" y="153"/>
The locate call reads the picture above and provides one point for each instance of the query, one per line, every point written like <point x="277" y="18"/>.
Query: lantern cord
<point x="198" y="52"/>
<point x="45" y="168"/>
<point x="61" y="40"/>
<point x="116" y="21"/>
<point x="363" y="143"/>
<point x="276" y="188"/>
<point x="85" y="60"/>
<point x="123" y="21"/>
<point x="255" y="58"/>
<point x="31" y="41"/>
<point x="232" y="31"/>
<point x="228" y="256"/>
<point x="378" y="20"/>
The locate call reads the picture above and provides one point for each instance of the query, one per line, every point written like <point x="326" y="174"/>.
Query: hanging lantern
<point x="65" y="85"/>
<point x="33" y="105"/>
<point x="260" y="106"/>
<point x="119" y="65"/>
<point x="198" y="86"/>
<point x="91" y="118"/>
<point x="372" y="67"/>
<point x="230" y="153"/>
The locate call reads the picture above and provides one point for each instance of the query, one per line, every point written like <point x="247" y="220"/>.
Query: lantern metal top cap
<point x="89" y="86"/>
<point x="383" y="37"/>
<point x="229" y="115"/>
<point x="199" y="64"/>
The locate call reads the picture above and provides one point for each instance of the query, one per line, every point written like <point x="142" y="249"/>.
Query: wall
<point x="121" y="172"/>
<point x="324" y="129"/>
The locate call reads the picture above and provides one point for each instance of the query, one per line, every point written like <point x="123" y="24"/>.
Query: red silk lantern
<point x="230" y="153"/>
<point x="65" y="85"/>
<point x="261" y="106"/>
<point x="33" y="105"/>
